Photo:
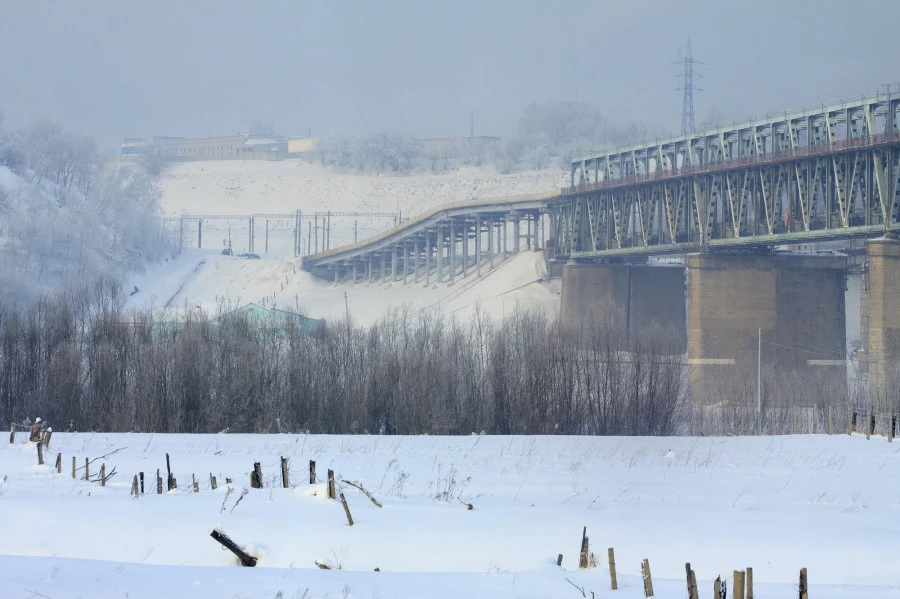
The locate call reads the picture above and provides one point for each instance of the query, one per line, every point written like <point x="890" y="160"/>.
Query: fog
<point x="111" y="69"/>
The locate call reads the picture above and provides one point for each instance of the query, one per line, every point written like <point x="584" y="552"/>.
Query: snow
<point x="775" y="504"/>
<point x="206" y="279"/>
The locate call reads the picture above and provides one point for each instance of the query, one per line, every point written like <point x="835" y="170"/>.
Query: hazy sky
<point x="114" y="68"/>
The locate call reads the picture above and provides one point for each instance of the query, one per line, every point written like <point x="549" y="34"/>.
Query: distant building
<point x="182" y="149"/>
<point x="298" y="146"/>
<point x="271" y="318"/>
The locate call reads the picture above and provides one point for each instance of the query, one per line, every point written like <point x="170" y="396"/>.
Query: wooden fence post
<point x="331" y="492"/>
<point x="170" y="479"/>
<point x="12" y="433"/>
<point x="347" y="510"/>
<point x="648" y="581"/>
<point x="830" y="422"/>
<point x="738" y="585"/>
<point x="45" y="439"/>
<point x="312" y="472"/>
<point x="87" y="469"/>
<point x="196" y="484"/>
<point x="691" y="581"/>
<point x="720" y="589"/>
<point x="103" y="474"/>
<point x="73" y="467"/>
<point x="868" y="420"/>
<point x="134" y="485"/>
<point x="804" y="593"/>
<point x="59" y="463"/>
<point x="212" y="481"/>
<point x="749" y="578"/>
<point x="158" y="483"/>
<point x="256" y="480"/>
<point x="613" y="583"/>
<point x="584" y="555"/>
<point x="285" y="473"/>
<point x="559" y="560"/>
<point x="40" y="454"/>
<point x="142" y="483"/>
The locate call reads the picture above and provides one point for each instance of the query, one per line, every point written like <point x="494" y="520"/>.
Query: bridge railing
<point x="822" y="149"/>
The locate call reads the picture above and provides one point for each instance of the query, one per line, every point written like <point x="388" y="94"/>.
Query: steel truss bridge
<point x="815" y="175"/>
<point x="451" y="240"/>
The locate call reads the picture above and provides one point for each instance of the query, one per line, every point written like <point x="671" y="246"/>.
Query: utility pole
<point x="687" y="87"/>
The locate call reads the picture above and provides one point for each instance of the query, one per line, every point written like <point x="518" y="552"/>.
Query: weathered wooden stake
<point x="87" y="469"/>
<point x="196" y="484"/>
<point x="285" y="474"/>
<point x="331" y="492"/>
<point x="246" y="559"/>
<point x="40" y="454"/>
<point x="851" y="415"/>
<point x="45" y="439"/>
<point x="868" y="419"/>
<point x="559" y="560"/>
<point x="134" y="485"/>
<point x="312" y="472"/>
<point x="737" y="591"/>
<point x="613" y="583"/>
<point x="719" y="588"/>
<point x="648" y="581"/>
<point x="170" y="479"/>
<point x="691" y="582"/>
<point x="12" y="433"/>
<point x="830" y="423"/>
<point x="749" y="583"/>
<point x="212" y="481"/>
<point x="103" y="475"/>
<point x="890" y="428"/>
<point x="73" y="467"/>
<point x="584" y="555"/>
<point x="59" y="463"/>
<point x="804" y="593"/>
<point x="227" y="481"/>
<point x="347" y="510"/>
<point x="256" y="476"/>
<point x="158" y="483"/>
<point x="142" y="483"/>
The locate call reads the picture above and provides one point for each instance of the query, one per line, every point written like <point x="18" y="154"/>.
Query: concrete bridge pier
<point x="640" y="301"/>
<point x="795" y="300"/>
<point x="883" y="350"/>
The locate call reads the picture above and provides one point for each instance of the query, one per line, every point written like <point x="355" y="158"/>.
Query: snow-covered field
<point x="776" y="504"/>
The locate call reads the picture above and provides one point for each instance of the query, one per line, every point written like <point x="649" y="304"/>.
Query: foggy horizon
<point x="110" y="70"/>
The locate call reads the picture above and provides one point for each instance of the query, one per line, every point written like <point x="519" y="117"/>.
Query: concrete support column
<point x="452" y="251"/>
<point x="394" y="263"/>
<point x="797" y="300"/>
<point x="355" y="262"/>
<point x="439" y="250"/>
<point x="503" y="224"/>
<point x="478" y="244"/>
<point x="427" y="259"/>
<point x="516" y="234"/>
<point x="465" y="248"/>
<point x="369" y="278"/>
<point x="490" y="238"/>
<point x="631" y="302"/>
<point x="884" y="324"/>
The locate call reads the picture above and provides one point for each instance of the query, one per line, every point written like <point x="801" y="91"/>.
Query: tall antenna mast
<point x="688" y="87"/>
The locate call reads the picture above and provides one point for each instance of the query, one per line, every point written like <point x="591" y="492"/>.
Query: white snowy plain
<point x="776" y="504"/>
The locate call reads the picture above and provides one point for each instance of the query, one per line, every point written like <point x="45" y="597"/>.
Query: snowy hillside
<point x="776" y="504"/>
<point x="206" y="279"/>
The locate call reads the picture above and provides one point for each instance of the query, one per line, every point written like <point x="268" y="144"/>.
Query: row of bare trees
<point x="81" y="362"/>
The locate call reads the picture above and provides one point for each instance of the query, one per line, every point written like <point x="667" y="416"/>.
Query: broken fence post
<point x="613" y="583"/>
<point x="59" y="463"/>
<point x="256" y="476"/>
<point x="246" y="559"/>
<point x="87" y="466"/>
<point x="584" y="555"/>
<point x="285" y="474"/>
<point x="691" y="581"/>
<point x="331" y="492"/>
<point x="648" y="581"/>
<point x="45" y="439"/>
<point x="312" y="472"/>
<point x="170" y="479"/>
<point x="347" y="510"/>
<point x="134" y="485"/>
